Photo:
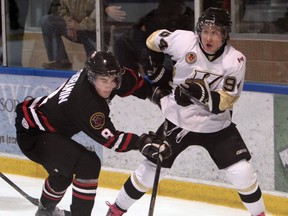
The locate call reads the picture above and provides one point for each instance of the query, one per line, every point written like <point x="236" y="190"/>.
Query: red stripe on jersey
<point x="110" y="142"/>
<point x="84" y="197"/>
<point x="126" y="143"/>
<point x="138" y="85"/>
<point x="47" y="124"/>
<point x="26" y="114"/>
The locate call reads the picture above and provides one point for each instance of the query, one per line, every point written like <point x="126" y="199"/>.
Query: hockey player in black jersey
<point x="208" y="80"/>
<point x="46" y="124"/>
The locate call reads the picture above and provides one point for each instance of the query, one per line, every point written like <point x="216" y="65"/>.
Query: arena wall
<point x="261" y="118"/>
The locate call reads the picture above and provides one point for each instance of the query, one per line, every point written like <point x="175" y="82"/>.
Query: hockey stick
<point x="29" y="198"/>
<point x="157" y="175"/>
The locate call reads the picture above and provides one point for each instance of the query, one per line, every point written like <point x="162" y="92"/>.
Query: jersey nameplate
<point x="66" y="90"/>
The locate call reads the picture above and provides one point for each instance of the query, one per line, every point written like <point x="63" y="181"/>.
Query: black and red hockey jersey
<point x="76" y="106"/>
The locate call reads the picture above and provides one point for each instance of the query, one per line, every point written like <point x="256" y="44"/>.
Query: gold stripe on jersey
<point x="226" y="100"/>
<point x="150" y="42"/>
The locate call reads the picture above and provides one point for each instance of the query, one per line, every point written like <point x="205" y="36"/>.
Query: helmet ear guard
<point x="103" y="63"/>
<point x="215" y="17"/>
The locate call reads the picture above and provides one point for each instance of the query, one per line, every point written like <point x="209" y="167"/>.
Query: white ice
<point x="14" y="204"/>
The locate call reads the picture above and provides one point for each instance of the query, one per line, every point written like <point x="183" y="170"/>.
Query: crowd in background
<point x="129" y="26"/>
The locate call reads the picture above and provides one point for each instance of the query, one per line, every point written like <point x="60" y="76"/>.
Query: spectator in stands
<point x="15" y="28"/>
<point x="76" y="21"/>
<point x="130" y="48"/>
<point x="282" y="23"/>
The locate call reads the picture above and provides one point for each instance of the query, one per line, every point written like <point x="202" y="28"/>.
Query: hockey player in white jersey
<point x="207" y="81"/>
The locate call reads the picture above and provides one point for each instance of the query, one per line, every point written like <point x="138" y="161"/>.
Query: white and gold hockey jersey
<point x="225" y="75"/>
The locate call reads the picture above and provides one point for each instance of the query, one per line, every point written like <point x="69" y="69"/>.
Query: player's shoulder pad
<point x="234" y="55"/>
<point x="150" y="41"/>
<point x="233" y="59"/>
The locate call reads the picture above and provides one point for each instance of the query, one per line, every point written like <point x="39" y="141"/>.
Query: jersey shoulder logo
<point x="97" y="120"/>
<point x="190" y="57"/>
<point x="25" y="123"/>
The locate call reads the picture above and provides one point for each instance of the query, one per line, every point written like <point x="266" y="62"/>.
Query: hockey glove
<point x="192" y="89"/>
<point x="157" y="94"/>
<point x="162" y="74"/>
<point x="181" y="98"/>
<point x="152" y="146"/>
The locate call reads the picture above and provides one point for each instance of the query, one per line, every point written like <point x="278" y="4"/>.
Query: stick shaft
<point x="157" y="175"/>
<point x="29" y="198"/>
<point x="155" y="187"/>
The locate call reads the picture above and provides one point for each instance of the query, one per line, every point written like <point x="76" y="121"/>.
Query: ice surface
<point x="14" y="204"/>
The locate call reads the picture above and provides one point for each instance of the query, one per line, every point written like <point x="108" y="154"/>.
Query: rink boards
<point x="261" y="117"/>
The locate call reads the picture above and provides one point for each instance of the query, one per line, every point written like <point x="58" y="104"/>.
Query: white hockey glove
<point x="153" y="146"/>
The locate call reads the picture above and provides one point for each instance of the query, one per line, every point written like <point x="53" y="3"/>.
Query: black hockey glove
<point x="157" y="93"/>
<point x="162" y="74"/>
<point x="181" y="98"/>
<point x="191" y="89"/>
<point x="152" y="146"/>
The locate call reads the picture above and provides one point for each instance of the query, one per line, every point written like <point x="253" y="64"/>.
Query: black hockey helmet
<point x="103" y="63"/>
<point x="215" y="17"/>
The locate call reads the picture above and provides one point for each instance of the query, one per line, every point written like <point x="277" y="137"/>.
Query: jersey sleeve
<point x="94" y="120"/>
<point x="231" y="87"/>
<point x="173" y="43"/>
<point x="134" y="84"/>
<point x="122" y="142"/>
